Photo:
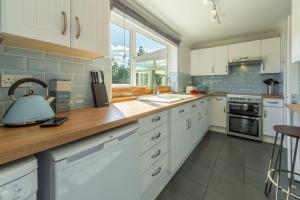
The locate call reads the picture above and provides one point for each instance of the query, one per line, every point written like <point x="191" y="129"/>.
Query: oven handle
<point x="244" y="117"/>
<point x="241" y="104"/>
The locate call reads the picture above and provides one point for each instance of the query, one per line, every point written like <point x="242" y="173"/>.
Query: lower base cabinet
<point x="272" y="115"/>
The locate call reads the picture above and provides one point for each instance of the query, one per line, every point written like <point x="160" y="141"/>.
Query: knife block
<point x="99" y="95"/>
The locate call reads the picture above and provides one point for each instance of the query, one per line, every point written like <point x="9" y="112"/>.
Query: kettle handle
<point x="13" y="87"/>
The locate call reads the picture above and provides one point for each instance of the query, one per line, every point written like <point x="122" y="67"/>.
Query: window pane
<point x="120" y="52"/>
<point x="151" y="59"/>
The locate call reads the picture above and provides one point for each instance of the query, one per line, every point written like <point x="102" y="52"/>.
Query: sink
<point x="166" y="98"/>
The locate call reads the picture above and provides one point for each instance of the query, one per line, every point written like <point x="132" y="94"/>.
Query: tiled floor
<point x="222" y="168"/>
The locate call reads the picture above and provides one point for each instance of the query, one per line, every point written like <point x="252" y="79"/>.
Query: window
<point x="120" y="52"/>
<point x="138" y="56"/>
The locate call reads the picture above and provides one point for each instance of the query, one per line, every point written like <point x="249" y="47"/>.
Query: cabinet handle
<point x="200" y="117"/>
<point x="156" y="172"/>
<point x="265" y="113"/>
<point x="156" y="136"/>
<point x="219" y="99"/>
<point x="156" y="119"/>
<point x="212" y="70"/>
<point x="263" y="66"/>
<point x="226" y="68"/>
<point x="194" y="106"/>
<point x="156" y="154"/>
<point x="273" y="102"/>
<point x="181" y="111"/>
<point x="65" y="23"/>
<point x="224" y="109"/>
<point x="202" y="102"/>
<point x="190" y="123"/>
<point x="187" y="124"/>
<point x="79" y="27"/>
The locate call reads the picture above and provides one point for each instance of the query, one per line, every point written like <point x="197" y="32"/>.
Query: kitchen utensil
<point x="30" y="108"/>
<point x="99" y="90"/>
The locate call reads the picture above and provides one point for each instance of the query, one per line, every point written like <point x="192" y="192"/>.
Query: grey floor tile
<point x="256" y="178"/>
<point x="230" y="169"/>
<point x="227" y="185"/>
<point x="180" y="188"/>
<point x="213" y="195"/>
<point x="254" y="193"/>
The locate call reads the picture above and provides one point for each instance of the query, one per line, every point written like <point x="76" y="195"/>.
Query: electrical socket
<point x="8" y="80"/>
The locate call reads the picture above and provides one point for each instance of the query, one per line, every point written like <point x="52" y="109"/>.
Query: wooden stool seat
<point x="292" y="131"/>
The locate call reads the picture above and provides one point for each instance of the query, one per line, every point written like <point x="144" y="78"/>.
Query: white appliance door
<point x="106" y="172"/>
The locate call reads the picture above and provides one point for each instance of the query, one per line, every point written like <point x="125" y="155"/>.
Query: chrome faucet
<point x="158" y="84"/>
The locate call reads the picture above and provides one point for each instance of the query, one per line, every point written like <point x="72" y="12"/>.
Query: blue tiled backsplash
<point x="46" y="66"/>
<point x="242" y="80"/>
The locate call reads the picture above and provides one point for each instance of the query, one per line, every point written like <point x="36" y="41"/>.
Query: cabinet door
<point x="295" y="31"/>
<point x="246" y="49"/>
<point x="90" y="21"/>
<point x="44" y="20"/>
<point x="219" y="111"/>
<point x="206" y="61"/>
<point x="270" y="49"/>
<point x="195" y="63"/>
<point x="272" y="116"/>
<point x="221" y="60"/>
<point x="180" y="141"/>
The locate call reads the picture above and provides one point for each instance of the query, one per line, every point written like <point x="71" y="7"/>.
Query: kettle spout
<point x="50" y="100"/>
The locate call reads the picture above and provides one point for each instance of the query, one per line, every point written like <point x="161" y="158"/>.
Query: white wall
<point x="184" y="59"/>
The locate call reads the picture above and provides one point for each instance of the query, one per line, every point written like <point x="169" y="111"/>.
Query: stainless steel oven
<point x="244" y="116"/>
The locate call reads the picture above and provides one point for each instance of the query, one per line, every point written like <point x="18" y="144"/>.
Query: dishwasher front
<point x="102" y="167"/>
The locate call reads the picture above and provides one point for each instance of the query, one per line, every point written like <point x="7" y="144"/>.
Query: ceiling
<point x="192" y="18"/>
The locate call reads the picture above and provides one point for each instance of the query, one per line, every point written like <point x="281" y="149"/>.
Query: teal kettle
<point x="30" y="108"/>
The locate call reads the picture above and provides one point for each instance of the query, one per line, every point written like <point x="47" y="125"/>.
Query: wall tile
<point x="42" y="65"/>
<point x="81" y="79"/>
<point x="23" y="52"/>
<point x="50" y="76"/>
<point x="77" y="91"/>
<point x="72" y="68"/>
<point x="12" y="62"/>
<point x="89" y="68"/>
<point x="58" y="57"/>
<point x="247" y="80"/>
<point x="82" y="102"/>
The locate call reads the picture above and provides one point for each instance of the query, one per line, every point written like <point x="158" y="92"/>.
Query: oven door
<point x="244" y="109"/>
<point x="244" y="126"/>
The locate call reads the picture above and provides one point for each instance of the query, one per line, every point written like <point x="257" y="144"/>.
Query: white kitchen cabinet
<point x="206" y="61"/>
<point x="221" y="60"/>
<point x="180" y="135"/>
<point x="89" y="25"/>
<point x="45" y="20"/>
<point x="209" y="110"/>
<point x="195" y="125"/>
<point x="295" y="31"/>
<point x="272" y="115"/>
<point x="245" y="50"/>
<point x="219" y="111"/>
<point x="270" y="49"/>
<point x="195" y="63"/>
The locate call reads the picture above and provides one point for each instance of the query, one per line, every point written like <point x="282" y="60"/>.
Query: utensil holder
<point x="99" y="95"/>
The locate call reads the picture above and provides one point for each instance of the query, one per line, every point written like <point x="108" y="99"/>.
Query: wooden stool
<point x="275" y="167"/>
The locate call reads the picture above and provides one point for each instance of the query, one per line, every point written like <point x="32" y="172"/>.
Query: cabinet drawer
<point x="273" y="102"/>
<point x="154" y="173"/>
<point x="153" y="137"/>
<point x="193" y="106"/>
<point x="153" y="155"/>
<point x="152" y="121"/>
<point x="179" y="111"/>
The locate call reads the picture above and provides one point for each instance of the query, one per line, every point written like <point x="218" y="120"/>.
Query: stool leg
<point x="268" y="185"/>
<point x="279" y="165"/>
<point x="292" y="171"/>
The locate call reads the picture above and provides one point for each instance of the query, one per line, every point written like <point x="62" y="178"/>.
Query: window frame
<point x="134" y="28"/>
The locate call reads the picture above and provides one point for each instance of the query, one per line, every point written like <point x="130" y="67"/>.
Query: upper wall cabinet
<point x="221" y="60"/>
<point x="89" y="22"/>
<point x="270" y="49"/>
<point x="295" y="31"/>
<point x="206" y="61"/>
<point x="45" y="20"/>
<point x="194" y="62"/>
<point x="72" y="27"/>
<point x="245" y="50"/>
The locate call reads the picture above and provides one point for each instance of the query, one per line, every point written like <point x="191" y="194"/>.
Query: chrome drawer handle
<point x="273" y="102"/>
<point x="202" y="102"/>
<point x="181" y="111"/>
<point x="156" y="119"/>
<point x="156" y="136"/>
<point x="194" y="106"/>
<point x="65" y="23"/>
<point x="156" y="172"/>
<point x="79" y="27"/>
<point x="156" y="154"/>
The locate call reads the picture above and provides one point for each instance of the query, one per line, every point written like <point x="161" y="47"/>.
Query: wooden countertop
<point x="273" y="97"/>
<point x="16" y="143"/>
<point x="294" y="107"/>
